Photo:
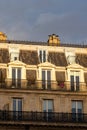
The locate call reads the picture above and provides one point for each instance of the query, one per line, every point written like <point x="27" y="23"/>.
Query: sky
<point x="34" y="20"/>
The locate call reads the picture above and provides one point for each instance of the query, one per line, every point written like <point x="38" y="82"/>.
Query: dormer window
<point x="14" y="56"/>
<point x="14" y="53"/>
<point x="70" y="56"/>
<point x="42" y="55"/>
<point x="71" y="59"/>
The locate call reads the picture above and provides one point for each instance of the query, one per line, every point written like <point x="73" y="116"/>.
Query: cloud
<point x="67" y="26"/>
<point x="35" y="19"/>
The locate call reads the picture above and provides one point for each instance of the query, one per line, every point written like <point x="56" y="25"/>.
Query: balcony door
<point x="48" y="109"/>
<point x="77" y="110"/>
<point x="46" y="79"/>
<point x="17" y="108"/>
<point x="74" y="81"/>
<point x="16" y="77"/>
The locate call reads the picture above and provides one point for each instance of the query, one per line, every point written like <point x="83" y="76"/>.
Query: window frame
<point x="46" y="84"/>
<point x="42" y="53"/>
<point x="16" y="76"/>
<point x="77" y="110"/>
<point x="75" y="80"/>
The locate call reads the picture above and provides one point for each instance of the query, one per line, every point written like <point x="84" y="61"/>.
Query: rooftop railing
<point x="78" y="45"/>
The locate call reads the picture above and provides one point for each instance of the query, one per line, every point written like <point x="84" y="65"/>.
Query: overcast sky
<point x="34" y="20"/>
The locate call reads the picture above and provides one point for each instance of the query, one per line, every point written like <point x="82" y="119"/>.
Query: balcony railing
<point x="41" y="84"/>
<point x="43" y="117"/>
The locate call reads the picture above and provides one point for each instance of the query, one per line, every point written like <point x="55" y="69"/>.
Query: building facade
<point x="43" y="85"/>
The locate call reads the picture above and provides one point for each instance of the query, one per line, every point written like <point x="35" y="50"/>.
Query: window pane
<point x="13" y="76"/>
<point x="79" y="105"/>
<point x="44" y="56"/>
<point x="77" y="83"/>
<point x="72" y="82"/>
<point x="19" y="104"/>
<point x="48" y="79"/>
<point x="48" y="75"/>
<point x="43" y="75"/>
<point x="44" y="105"/>
<point x="40" y="55"/>
<point x="19" y="73"/>
<point x="14" y="104"/>
<point x="43" y="79"/>
<point x="18" y="77"/>
<point x="13" y="73"/>
<point x="50" y="105"/>
<point x="73" y="104"/>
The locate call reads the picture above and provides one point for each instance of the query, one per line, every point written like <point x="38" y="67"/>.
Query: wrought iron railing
<point x="41" y="84"/>
<point x="43" y="117"/>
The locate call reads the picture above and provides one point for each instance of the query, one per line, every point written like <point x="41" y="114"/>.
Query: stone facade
<point x="38" y="77"/>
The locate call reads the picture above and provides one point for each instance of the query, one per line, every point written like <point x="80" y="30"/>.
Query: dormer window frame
<point x="14" y="53"/>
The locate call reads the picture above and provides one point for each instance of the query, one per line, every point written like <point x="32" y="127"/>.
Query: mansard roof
<point x="30" y="57"/>
<point x="81" y="59"/>
<point x="57" y="58"/>
<point x="4" y="55"/>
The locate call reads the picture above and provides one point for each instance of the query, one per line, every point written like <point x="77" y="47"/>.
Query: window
<point x="16" y="77"/>
<point x="46" y="79"/>
<point x="42" y="56"/>
<point x="48" y="109"/>
<point x="15" y="58"/>
<point x="77" y="110"/>
<point x="17" y="108"/>
<point x="14" y="53"/>
<point x="74" y="80"/>
<point x="48" y="105"/>
<point x="70" y="56"/>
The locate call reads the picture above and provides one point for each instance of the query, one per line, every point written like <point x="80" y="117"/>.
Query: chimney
<point x="3" y="36"/>
<point x="53" y="40"/>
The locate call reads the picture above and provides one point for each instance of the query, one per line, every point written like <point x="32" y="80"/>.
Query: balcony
<point x="39" y="118"/>
<point x="43" y="85"/>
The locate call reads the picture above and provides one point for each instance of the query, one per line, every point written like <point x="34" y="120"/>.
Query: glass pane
<point x="77" y="83"/>
<point x="14" y="104"/>
<point x="79" y="110"/>
<point x="79" y="105"/>
<point x="50" y="105"/>
<point x="73" y="110"/>
<point x="19" y="104"/>
<point x="44" y="56"/>
<point x="13" y="73"/>
<point x="48" y="75"/>
<point x="18" y="77"/>
<point x="72" y="82"/>
<point x="49" y="79"/>
<point x="43" y="79"/>
<point x="43" y="75"/>
<point x="44" y="105"/>
<point x="19" y="73"/>
<point x="74" y="104"/>
<point x="40" y="55"/>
